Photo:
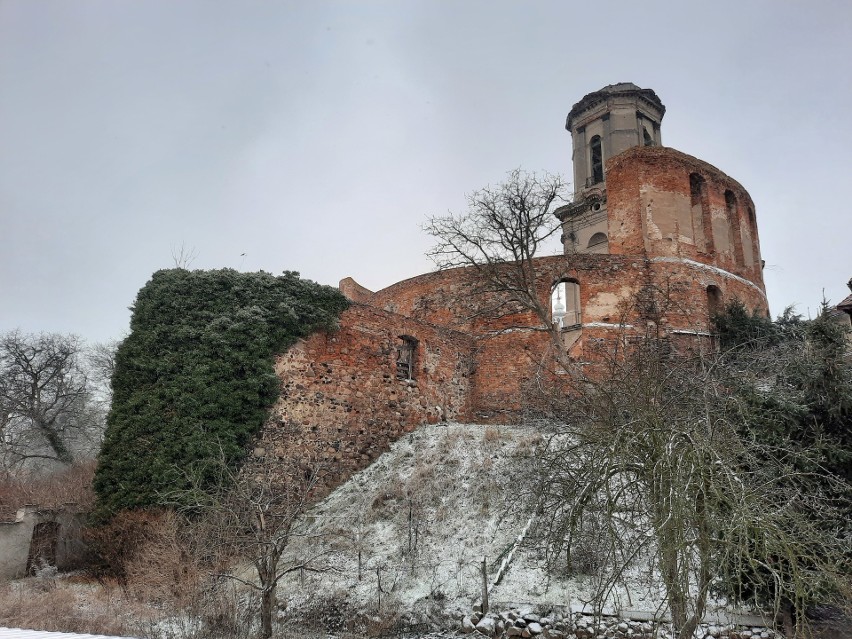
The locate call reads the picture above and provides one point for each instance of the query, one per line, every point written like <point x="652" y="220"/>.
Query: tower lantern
<point x="603" y="124"/>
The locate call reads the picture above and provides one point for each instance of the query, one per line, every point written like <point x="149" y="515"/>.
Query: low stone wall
<point x="558" y="625"/>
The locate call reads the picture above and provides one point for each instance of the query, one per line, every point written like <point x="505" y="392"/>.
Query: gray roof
<point x="618" y="88"/>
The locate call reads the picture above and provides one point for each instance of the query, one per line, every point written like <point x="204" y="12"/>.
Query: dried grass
<point x="70" y="485"/>
<point x="29" y="605"/>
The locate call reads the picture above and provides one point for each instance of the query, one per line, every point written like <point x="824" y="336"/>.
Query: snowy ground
<point x="425" y="514"/>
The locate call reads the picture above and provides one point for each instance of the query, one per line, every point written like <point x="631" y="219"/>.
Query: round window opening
<point x="596" y="206"/>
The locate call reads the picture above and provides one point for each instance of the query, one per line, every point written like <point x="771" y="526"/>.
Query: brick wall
<point x="341" y="403"/>
<point x="649" y="202"/>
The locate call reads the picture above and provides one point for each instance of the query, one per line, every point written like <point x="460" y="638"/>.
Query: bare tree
<point x="251" y="517"/>
<point x="504" y="229"/>
<point x="100" y="366"/>
<point x="44" y="398"/>
<point x="183" y="256"/>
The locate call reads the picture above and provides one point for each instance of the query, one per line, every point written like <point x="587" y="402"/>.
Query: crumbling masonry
<point x="644" y="219"/>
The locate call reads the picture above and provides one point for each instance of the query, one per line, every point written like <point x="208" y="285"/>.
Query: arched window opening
<point x="696" y="188"/>
<point x="597" y="159"/>
<point x="646" y="137"/>
<point x="730" y="202"/>
<point x="715" y="303"/>
<point x="597" y="239"/>
<point x="405" y="352"/>
<point x="565" y="304"/>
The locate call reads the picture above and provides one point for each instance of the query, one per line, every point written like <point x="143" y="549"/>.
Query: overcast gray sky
<point x="316" y="136"/>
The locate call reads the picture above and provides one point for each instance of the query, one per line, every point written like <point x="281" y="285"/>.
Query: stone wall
<point x="618" y="293"/>
<point x="342" y="404"/>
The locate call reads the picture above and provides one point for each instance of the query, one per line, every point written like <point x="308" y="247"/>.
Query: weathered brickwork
<point x="650" y="209"/>
<point x="681" y="242"/>
<point x="342" y="403"/>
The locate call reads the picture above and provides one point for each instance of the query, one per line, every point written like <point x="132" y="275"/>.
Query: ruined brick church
<point x="643" y="217"/>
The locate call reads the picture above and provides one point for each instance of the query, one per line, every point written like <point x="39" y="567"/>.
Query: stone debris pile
<point x="527" y="625"/>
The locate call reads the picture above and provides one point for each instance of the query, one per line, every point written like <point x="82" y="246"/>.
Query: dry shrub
<point x="493" y="434"/>
<point x="58" y="610"/>
<point x="146" y="550"/>
<point x="392" y="494"/>
<point x="70" y="485"/>
<point x="528" y="445"/>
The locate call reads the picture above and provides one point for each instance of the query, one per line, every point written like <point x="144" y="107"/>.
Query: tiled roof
<point x="846" y="305"/>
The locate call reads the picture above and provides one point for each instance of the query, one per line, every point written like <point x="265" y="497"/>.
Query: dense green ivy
<point x="194" y="380"/>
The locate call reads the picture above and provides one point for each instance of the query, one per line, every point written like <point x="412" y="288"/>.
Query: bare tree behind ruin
<point x="45" y="410"/>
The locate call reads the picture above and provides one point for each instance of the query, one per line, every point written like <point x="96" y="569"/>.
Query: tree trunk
<point x="267" y="607"/>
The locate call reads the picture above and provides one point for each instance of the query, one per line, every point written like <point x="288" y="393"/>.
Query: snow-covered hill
<point x="424" y="515"/>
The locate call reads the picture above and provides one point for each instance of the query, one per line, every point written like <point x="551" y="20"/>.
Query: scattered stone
<point x="513" y="631"/>
<point x="531" y="617"/>
<point x="467" y="626"/>
<point x="525" y="633"/>
<point x="545" y="621"/>
<point x="534" y="628"/>
<point x="486" y="626"/>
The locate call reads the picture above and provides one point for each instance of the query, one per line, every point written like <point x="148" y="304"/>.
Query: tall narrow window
<point x="715" y="304"/>
<point x="755" y="248"/>
<point x="405" y="351"/>
<point x="565" y="304"/>
<point x="597" y="159"/>
<point x="702" y="226"/>
<point x="734" y="236"/>
<point x="646" y="137"/>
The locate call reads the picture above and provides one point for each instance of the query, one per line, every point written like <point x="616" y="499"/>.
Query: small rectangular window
<point x="405" y="352"/>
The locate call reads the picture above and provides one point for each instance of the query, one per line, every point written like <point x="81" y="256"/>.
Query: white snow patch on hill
<point x="426" y="513"/>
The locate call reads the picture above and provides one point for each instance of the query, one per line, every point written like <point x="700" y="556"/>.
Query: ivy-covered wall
<point x="194" y="380"/>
